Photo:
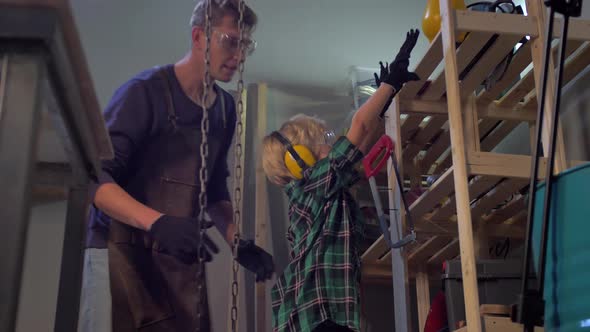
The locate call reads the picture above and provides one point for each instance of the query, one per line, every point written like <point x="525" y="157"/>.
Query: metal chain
<point x="3" y="78"/>
<point x="203" y="170"/>
<point x="238" y="171"/>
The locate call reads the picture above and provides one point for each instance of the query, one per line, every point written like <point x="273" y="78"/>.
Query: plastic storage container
<point x="567" y="270"/>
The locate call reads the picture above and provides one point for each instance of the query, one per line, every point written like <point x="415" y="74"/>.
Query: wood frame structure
<point x="44" y="76"/>
<point x="448" y="125"/>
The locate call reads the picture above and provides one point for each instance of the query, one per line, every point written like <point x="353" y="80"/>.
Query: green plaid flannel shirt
<point x="322" y="281"/>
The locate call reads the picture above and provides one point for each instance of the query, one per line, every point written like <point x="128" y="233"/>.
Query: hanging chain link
<point x="238" y="171"/>
<point x="203" y="170"/>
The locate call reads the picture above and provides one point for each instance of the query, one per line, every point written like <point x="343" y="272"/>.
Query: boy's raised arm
<point x="394" y="77"/>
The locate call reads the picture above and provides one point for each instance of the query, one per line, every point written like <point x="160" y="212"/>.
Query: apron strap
<point x="221" y="97"/>
<point x="172" y="117"/>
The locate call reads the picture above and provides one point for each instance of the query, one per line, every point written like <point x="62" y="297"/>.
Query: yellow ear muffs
<point x="291" y="162"/>
<point x="297" y="158"/>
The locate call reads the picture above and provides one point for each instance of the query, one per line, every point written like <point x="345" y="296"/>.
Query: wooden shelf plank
<point x="376" y="250"/>
<point x="429" y="248"/>
<point x="410" y="126"/>
<point x="573" y="66"/>
<point x="428" y="228"/>
<point x="505" y="165"/>
<point x="465" y="53"/>
<point x="508" y="211"/>
<point x="450" y="251"/>
<point x="435" y="151"/>
<point x="505" y="24"/>
<point x="424" y="136"/>
<point x="478" y="186"/>
<point x="499" y="194"/>
<point x="439" y="190"/>
<point x="519" y="62"/>
<point x="485" y="110"/>
<point x="579" y="29"/>
<point x="494" y="55"/>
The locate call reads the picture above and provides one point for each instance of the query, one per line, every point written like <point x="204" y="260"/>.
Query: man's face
<point x="224" y="51"/>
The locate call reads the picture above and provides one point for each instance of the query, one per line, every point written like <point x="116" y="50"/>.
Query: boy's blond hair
<point x="299" y="130"/>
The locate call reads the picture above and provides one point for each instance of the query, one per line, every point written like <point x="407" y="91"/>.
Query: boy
<point x="319" y="289"/>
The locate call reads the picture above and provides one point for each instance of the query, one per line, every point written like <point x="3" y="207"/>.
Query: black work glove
<point x="255" y="259"/>
<point x="397" y="74"/>
<point x="378" y="79"/>
<point x="178" y="237"/>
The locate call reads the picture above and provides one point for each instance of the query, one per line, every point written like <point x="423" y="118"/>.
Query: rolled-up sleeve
<point x="128" y="118"/>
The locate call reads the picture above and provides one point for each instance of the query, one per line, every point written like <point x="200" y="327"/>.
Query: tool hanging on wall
<point x="378" y="156"/>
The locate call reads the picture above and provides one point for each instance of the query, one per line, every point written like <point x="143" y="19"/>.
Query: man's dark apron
<point x="151" y="290"/>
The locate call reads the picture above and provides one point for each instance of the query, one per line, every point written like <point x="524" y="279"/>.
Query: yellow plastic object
<point x="431" y="20"/>
<point x="305" y="154"/>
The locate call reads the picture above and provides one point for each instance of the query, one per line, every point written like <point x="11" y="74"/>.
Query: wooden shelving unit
<point x="450" y="130"/>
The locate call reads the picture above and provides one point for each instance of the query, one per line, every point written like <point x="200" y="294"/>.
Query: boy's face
<point x="324" y="151"/>
<point x="326" y="145"/>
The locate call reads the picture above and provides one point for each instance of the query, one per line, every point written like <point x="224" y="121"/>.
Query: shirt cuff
<point x="102" y="178"/>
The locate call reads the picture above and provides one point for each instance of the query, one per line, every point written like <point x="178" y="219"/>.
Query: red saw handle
<point x="384" y="143"/>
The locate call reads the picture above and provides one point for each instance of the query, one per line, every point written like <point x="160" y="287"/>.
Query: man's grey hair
<point x="220" y="9"/>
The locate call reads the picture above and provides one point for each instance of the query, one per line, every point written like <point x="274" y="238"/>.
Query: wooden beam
<point x="573" y="66"/>
<point x="439" y="190"/>
<point x="519" y="62"/>
<point x="435" y="151"/>
<point x="485" y="110"/>
<point x="422" y="297"/>
<point x="471" y="129"/>
<point x="495" y="112"/>
<point x="262" y="206"/>
<point x="522" y="88"/>
<point x="471" y="295"/>
<point x="504" y="24"/>
<point x="503" y="324"/>
<point x="410" y="127"/>
<point x="579" y="28"/>
<point x="423" y="137"/>
<point x="503" y="165"/>
<point x="401" y="295"/>
<point x="498" y="195"/>
<point x="503" y="45"/>
<point x="466" y="52"/>
<point x="536" y="8"/>
<point x="478" y="186"/>
<point x="449" y="228"/>
<point x="508" y="211"/>
<point x="376" y="250"/>
<point x="427" y="249"/>
<point x="449" y="251"/>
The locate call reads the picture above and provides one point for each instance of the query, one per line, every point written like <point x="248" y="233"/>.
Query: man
<point x="146" y="200"/>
